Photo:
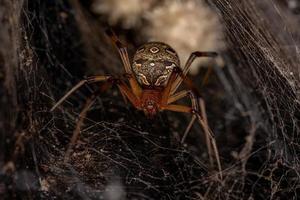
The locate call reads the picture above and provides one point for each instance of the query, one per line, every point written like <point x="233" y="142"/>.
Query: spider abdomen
<point x="153" y="64"/>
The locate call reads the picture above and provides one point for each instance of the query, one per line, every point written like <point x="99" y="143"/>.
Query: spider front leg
<point x="168" y="98"/>
<point x="194" y="109"/>
<point x="198" y="112"/>
<point x="89" y="80"/>
<point x="122" y="49"/>
<point x="193" y="56"/>
<point x="193" y="93"/>
<point x="108" y="81"/>
<point x="197" y="109"/>
<point x="82" y="115"/>
<point x="86" y="107"/>
<point x="180" y="95"/>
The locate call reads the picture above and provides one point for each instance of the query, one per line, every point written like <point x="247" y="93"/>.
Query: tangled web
<point x="252" y="106"/>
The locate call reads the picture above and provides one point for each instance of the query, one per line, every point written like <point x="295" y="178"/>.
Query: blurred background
<point x="252" y="101"/>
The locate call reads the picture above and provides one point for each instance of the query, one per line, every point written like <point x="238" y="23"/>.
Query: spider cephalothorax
<point x="153" y="64"/>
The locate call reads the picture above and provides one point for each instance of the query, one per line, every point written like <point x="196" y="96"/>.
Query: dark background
<point x="252" y="105"/>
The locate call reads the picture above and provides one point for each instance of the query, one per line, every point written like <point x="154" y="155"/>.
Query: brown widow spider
<point x="154" y="78"/>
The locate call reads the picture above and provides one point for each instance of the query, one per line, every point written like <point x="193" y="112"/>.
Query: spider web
<point x="252" y="106"/>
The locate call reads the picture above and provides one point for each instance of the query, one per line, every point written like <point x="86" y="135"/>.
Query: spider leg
<point x="125" y="91"/>
<point x="167" y="98"/>
<point x="180" y="108"/>
<point x="89" y="80"/>
<point x="206" y="76"/>
<point x="177" y="96"/>
<point x="193" y="94"/>
<point x="122" y="49"/>
<point x="89" y="102"/>
<point x="198" y="111"/>
<point x="188" y="63"/>
<point x="167" y="91"/>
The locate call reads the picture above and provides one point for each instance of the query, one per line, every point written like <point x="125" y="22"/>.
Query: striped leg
<point x="122" y="49"/>
<point x="198" y="111"/>
<point x="187" y="66"/>
<point x="89" y="80"/>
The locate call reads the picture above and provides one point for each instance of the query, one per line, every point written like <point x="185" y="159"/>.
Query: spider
<point x="151" y="82"/>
